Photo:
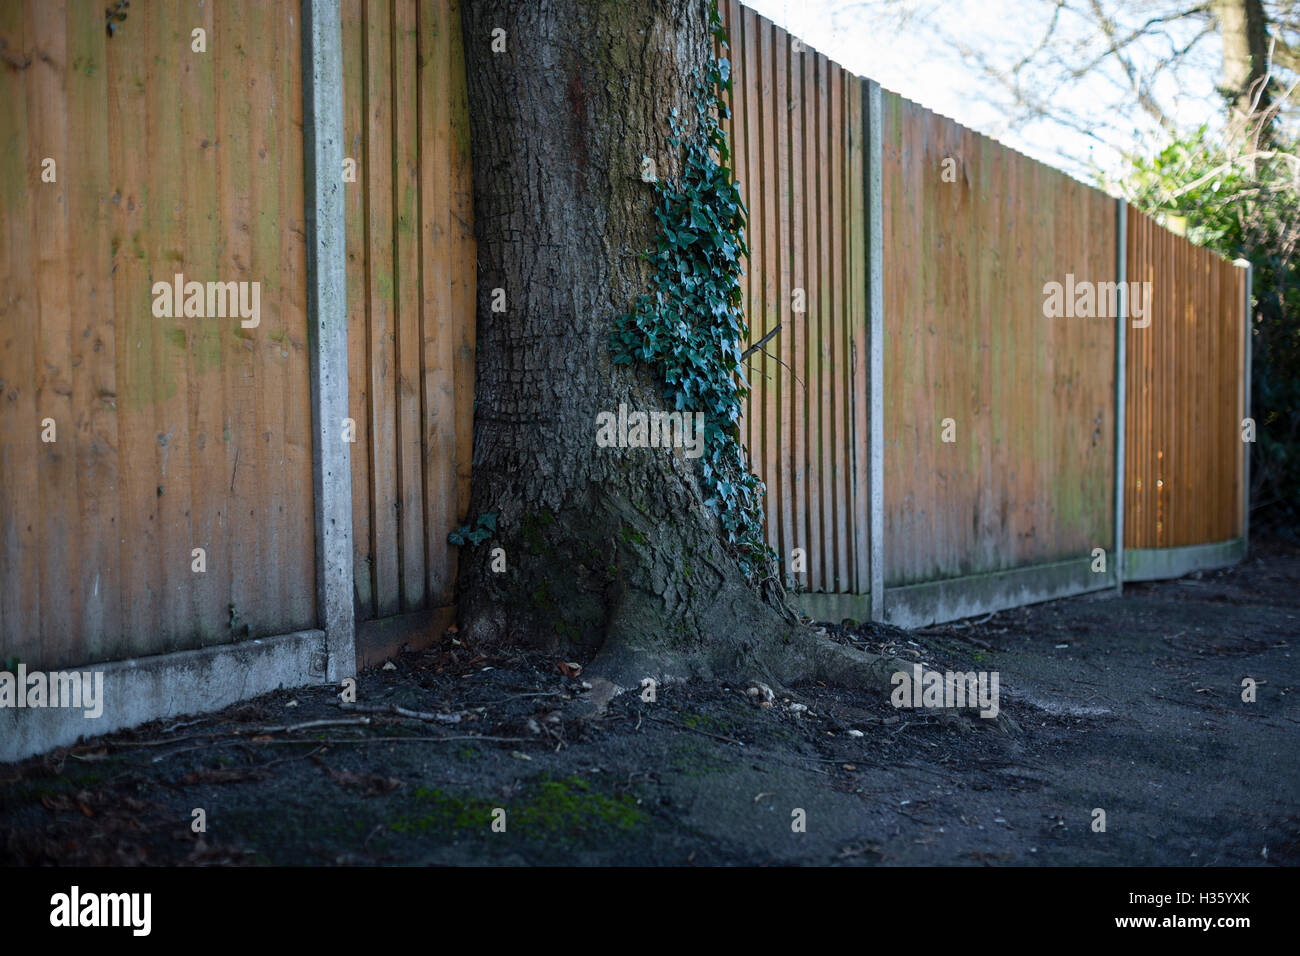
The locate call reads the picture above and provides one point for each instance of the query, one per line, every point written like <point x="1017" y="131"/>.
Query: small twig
<point x="306" y="725"/>
<point x="782" y="362"/>
<point x="760" y="343"/>
<point x="235" y="740"/>
<point x="158" y="743"/>
<point x="402" y="712"/>
<point x="185" y="723"/>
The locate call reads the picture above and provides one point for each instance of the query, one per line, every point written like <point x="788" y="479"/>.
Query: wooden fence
<point x="176" y="433"/>
<point x="998" y="441"/>
<point x="1027" y="478"/>
<point x="1186" y="373"/>
<point x="794" y="130"/>
<point x="171" y="433"/>
<point x="410" y="278"/>
<point x="171" y="481"/>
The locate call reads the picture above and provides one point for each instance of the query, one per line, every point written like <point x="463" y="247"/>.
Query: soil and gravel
<point x="1130" y="704"/>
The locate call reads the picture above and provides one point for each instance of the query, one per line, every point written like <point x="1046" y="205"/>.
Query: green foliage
<point x="1245" y="205"/>
<point x="690" y="323"/>
<point x="237" y="624"/>
<point x="114" y="15"/>
<point x="476" y="533"/>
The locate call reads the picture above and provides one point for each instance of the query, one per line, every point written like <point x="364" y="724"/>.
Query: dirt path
<point x="1131" y="705"/>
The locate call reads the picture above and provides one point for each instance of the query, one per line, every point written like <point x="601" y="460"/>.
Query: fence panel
<point x="1185" y="401"/>
<point x="410" y="274"/>
<point x="795" y="133"/>
<point x="972" y="233"/>
<point x="175" y="431"/>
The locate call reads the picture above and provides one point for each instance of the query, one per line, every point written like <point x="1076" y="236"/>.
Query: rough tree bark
<point x="610" y="553"/>
<point x="1243" y="26"/>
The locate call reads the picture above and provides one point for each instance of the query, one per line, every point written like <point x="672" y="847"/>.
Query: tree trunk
<point x="1243" y="27"/>
<point x="609" y="553"/>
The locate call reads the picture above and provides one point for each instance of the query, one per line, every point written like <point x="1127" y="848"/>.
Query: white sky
<point x="914" y="60"/>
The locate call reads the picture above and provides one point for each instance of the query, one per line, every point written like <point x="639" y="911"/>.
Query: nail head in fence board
<point x="1121" y="356"/>
<point x="327" y="312"/>
<point x="871" y="167"/>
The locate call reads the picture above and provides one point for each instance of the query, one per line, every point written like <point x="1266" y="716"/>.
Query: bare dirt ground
<point x="1128" y="704"/>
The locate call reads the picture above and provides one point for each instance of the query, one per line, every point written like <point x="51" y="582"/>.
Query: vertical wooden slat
<point x="355" y="131"/>
<point x="808" y="449"/>
<point x="822" y="437"/>
<point x="769" y="313"/>
<point x="855" y="226"/>
<point x="45" y="42"/>
<point x="20" y="589"/>
<point x="784" y="388"/>
<point x="139" y="383"/>
<point x="406" y="288"/>
<point x="381" y="291"/>
<point x="262" y="369"/>
<point x="796" y="408"/>
<point x="837" y="580"/>
<point x="95" y="385"/>
<point x="298" y="572"/>
<point x="238" y="432"/>
<point x="201" y="241"/>
<point x="438" y="321"/>
<point x="751" y="189"/>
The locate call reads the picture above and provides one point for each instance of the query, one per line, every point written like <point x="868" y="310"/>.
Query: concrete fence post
<point x="1121" y="389"/>
<point x="1247" y="306"/>
<point x="322" y="65"/>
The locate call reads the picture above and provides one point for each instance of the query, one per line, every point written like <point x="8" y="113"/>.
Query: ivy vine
<point x="478" y="532"/>
<point x="690" y="323"/>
